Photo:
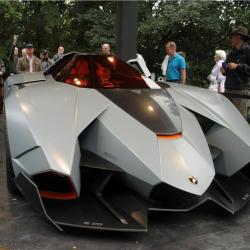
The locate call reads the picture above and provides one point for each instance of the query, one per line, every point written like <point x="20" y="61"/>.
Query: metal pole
<point x="126" y="29"/>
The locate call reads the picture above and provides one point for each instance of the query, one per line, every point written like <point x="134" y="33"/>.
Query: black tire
<point x="9" y="168"/>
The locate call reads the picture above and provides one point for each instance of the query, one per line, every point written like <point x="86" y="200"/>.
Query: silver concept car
<point x="92" y="143"/>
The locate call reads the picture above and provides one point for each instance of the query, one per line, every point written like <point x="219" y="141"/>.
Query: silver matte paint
<point x="231" y="134"/>
<point x="22" y="79"/>
<point x="133" y="146"/>
<point x="187" y="156"/>
<point x="38" y="130"/>
<point x="151" y="83"/>
<point x="33" y="162"/>
<point x="212" y="105"/>
<point x="44" y="107"/>
<point x="20" y="135"/>
<point x="235" y="151"/>
<point x="154" y="109"/>
<point x="142" y="155"/>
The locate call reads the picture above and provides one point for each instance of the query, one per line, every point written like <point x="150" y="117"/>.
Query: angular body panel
<point x="95" y="140"/>
<point x="230" y="133"/>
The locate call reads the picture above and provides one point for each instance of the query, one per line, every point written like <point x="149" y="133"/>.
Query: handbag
<point x="213" y="86"/>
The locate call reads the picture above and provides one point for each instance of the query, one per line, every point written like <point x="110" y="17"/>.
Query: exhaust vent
<point x="55" y="185"/>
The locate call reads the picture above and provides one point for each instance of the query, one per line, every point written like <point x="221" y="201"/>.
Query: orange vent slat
<point x="169" y="137"/>
<point x="55" y="185"/>
<point x="59" y="196"/>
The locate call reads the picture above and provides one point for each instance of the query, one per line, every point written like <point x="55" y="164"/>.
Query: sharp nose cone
<point x="183" y="167"/>
<point x="155" y="109"/>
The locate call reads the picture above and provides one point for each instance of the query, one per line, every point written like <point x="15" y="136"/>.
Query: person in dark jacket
<point x="237" y="70"/>
<point x="13" y="57"/>
<point x="189" y="73"/>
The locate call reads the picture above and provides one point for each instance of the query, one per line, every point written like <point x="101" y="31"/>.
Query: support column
<point x="126" y="29"/>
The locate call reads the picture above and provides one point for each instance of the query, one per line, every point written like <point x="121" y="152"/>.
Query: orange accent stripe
<point x="59" y="196"/>
<point x="169" y="137"/>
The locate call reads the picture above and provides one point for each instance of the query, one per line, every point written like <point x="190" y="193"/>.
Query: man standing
<point x="2" y="71"/>
<point x="45" y="60"/>
<point x="237" y="69"/>
<point x="13" y="57"/>
<point x="189" y="73"/>
<point x="176" y="70"/>
<point x="24" y="52"/>
<point x="59" y="55"/>
<point x="29" y="63"/>
<point x="106" y="49"/>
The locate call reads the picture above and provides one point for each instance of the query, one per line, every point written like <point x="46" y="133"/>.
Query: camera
<point x="45" y="55"/>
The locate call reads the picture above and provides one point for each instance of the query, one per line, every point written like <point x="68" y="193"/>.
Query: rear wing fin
<point x="140" y="65"/>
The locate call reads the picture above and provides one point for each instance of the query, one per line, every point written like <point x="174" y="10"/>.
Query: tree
<point x="11" y="13"/>
<point x="43" y="24"/>
<point x="92" y="23"/>
<point x="198" y="28"/>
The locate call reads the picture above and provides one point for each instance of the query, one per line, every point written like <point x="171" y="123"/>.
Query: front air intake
<point x="166" y="194"/>
<point x="55" y="185"/>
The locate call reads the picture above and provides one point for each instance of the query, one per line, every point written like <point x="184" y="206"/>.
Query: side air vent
<point x="204" y="122"/>
<point x="55" y="185"/>
<point x="164" y="193"/>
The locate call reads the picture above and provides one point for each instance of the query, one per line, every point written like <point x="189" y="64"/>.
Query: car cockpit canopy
<point x="96" y="71"/>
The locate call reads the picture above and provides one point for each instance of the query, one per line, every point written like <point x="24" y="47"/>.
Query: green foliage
<point x="11" y="15"/>
<point x="197" y="27"/>
<point x="43" y="24"/>
<point x="96" y="22"/>
<point x="194" y="26"/>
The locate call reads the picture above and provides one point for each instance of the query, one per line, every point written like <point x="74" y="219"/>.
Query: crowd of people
<point x="230" y="74"/>
<point x="237" y="69"/>
<point x="27" y="63"/>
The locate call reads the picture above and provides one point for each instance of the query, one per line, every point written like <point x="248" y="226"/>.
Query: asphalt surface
<point x="207" y="227"/>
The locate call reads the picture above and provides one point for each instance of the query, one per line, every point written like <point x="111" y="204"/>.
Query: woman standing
<point x="216" y="77"/>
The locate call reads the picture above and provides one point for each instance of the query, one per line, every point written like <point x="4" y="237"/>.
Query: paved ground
<point x="208" y="227"/>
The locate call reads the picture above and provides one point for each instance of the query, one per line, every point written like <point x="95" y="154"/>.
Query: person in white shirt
<point x="216" y="77"/>
<point x="164" y="65"/>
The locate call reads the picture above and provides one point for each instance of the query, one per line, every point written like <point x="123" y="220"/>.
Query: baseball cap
<point x="29" y="45"/>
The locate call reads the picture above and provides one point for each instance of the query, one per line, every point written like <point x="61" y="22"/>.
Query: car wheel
<point x="9" y="168"/>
